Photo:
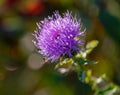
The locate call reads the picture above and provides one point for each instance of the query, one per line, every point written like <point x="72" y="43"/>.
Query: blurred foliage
<point x="22" y="69"/>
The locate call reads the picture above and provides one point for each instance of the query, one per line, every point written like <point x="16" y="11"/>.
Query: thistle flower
<point x="58" y="36"/>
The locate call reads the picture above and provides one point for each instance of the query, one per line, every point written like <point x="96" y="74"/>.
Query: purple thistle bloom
<point x="58" y="36"/>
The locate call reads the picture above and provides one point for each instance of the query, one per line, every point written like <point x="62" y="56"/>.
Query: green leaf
<point x="90" y="62"/>
<point x="66" y="61"/>
<point x="88" y="76"/>
<point x="80" y="60"/>
<point x="110" y="89"/>
<point x="83" y="61"/>
<point x="90" y="46"/>
<point x="81" y="75"/>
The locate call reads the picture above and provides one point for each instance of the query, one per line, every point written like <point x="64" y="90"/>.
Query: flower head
<point x="58" y="36"/>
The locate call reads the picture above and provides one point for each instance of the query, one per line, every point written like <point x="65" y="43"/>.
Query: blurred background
<point x="22" y="71"/>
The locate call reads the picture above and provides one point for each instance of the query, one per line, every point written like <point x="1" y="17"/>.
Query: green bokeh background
<point x="22" y="71"/>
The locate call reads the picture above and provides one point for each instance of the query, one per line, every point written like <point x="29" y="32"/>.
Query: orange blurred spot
<point x="33" y="7"/>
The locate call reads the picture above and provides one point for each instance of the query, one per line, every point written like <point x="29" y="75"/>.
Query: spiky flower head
<point x="58" y="36"/>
